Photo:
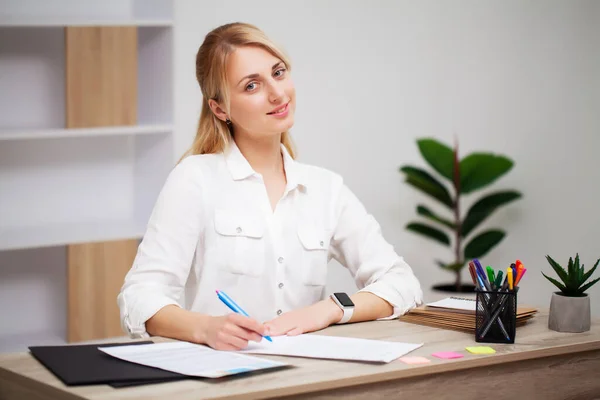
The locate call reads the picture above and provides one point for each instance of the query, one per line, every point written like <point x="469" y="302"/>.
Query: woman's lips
<point x="280" y="111"/>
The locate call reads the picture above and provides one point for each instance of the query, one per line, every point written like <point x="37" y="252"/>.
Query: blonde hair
<point x="213" y="135"/>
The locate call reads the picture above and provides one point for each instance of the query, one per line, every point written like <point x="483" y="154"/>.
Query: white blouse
<point x="213" y="228"/>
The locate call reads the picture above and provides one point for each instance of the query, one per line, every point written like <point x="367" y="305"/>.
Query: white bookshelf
<point x="61" y="186"/>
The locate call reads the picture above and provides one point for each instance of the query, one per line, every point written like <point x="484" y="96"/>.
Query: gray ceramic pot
<point x="569" y="314"/>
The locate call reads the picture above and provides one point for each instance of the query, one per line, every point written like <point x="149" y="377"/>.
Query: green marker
<point x="490" y="273"/>
<point x="498" y="282"/>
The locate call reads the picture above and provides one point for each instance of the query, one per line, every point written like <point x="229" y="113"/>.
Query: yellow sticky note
<point x="480" y="350"/>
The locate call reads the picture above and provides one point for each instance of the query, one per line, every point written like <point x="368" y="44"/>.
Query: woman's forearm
<point x="368" y="307"/>
<point x="176" y="323"/>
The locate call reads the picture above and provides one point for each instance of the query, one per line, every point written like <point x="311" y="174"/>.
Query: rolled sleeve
<point x="358" y="244"/>
<point x="399" y="288"/>
<point x="165" y="255"/>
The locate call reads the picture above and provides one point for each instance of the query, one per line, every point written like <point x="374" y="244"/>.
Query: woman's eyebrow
<point x="253" y="76"/>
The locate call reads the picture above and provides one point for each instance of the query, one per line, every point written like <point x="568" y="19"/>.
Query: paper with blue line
<point x="190" y="359"/>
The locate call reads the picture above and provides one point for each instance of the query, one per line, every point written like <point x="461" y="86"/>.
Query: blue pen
<point x="234" y="307"/>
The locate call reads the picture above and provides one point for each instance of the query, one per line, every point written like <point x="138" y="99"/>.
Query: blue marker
<point x="482" y="274"/>
<point x="234" y="307"/>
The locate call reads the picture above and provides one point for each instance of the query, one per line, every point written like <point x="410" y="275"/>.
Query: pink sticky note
<point x="447" y="355"/>
<point x="414" y="360"/>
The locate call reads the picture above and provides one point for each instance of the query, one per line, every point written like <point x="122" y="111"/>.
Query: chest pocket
<point x="315" y="246"/>
<point x="240" y="243"/>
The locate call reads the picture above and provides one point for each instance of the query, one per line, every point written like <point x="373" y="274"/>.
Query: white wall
<point x="518" y="78"/>
<point x="507" y="76"/>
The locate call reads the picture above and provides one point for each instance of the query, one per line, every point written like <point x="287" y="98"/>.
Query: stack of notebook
<point x="456" y="313"/>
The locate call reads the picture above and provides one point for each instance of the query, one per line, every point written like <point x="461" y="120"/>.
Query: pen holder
<point x="496" y="316"/>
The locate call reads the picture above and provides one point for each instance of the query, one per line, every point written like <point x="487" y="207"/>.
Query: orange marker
<point x="520" y="271"/>
<point x="520" y="275"/>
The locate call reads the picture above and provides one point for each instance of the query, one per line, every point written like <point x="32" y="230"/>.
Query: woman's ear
<point x="217" y="110"/>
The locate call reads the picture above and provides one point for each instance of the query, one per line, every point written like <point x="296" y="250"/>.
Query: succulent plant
<point x="573" y="278"/>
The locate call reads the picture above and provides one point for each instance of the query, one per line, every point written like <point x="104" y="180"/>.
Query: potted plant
<point x="466" y="176"/>
<point x="570" y="308"/>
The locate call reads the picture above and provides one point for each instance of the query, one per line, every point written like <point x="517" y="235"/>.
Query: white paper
<point x="190" y="359"/>
<point x="455" y="303"/>
<point x="333" y="347"/>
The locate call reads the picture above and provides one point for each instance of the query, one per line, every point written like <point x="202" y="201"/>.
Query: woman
<point x="239" y="214"/>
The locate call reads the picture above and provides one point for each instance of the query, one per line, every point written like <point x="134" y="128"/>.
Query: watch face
<point x="344" y="299"/>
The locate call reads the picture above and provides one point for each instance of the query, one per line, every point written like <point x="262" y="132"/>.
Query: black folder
<point x="86" y="365"/>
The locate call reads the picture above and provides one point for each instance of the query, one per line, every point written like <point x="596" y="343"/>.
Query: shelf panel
<point x="30" y="134"/>
<point x="40" y="22"/>
<point x="33" y="13"/>
<point x="63" y="234"/>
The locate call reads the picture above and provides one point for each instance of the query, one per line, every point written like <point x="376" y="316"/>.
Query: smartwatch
<point x="343" y="301"/>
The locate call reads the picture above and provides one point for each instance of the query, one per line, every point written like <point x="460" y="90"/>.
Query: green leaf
<point x="560" y="271"/>
<point x="427" y="213"/>
<point x="556" y="283"/>
<point x="423" y="181"/>
<point x="450" y="267"/>
<point x="587" y="275"/>
<point x="588" y="285"/>
<point x="455" y="266"/>
<point x="439" y="156"/>
<point x="429" y="231"/>
<point x="485" y="207"/>
<point x="573" y="284"/>
<point x="478" y="170"/>
<point x="482" y="243"/>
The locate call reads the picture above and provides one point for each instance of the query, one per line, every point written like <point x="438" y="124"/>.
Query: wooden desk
<point x="541" y="364"/>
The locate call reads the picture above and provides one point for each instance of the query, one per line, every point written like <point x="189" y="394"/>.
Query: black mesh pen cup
<point x="496" y="316"/>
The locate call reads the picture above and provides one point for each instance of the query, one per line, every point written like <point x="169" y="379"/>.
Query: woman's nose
<point x="276" y="92"/>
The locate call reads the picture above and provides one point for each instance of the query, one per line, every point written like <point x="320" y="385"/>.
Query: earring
<point x="228" y="122"/>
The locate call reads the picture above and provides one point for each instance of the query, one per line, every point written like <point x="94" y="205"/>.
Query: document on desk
<point x="455" y="304"/>
<point x="190" y="359"/>
<point x="333" y="347"/>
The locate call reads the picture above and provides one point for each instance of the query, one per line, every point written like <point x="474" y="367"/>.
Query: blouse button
<point x="238" y="229"/>
<point x="321" y="243"/>
<point x="279" y="312"/>
<point x="280" y="260"/>
<point x="280" y="285"/>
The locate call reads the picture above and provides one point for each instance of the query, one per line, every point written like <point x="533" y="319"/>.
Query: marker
<point x="490" y="273"/>
<point x="520" y="275"/>
<point x="234" y="307"/>
<point x="509" y="277"/>
<point x="481" y="274"/>
<point x="498" y="281"/>
<point x="472" y="272"/>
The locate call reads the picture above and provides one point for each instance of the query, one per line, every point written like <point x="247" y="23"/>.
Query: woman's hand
<point x="308" y="319"/>
<point x="231" y="332"/>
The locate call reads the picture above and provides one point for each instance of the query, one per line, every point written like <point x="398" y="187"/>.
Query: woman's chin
<point x="285" y="125"/>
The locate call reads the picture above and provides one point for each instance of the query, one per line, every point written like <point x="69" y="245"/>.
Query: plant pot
<point x="451" y="288"/>
<point x="569" y="314"/>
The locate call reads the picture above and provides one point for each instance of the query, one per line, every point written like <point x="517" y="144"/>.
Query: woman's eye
<point x="279" y="72"/>
<point x="251" y="86"/>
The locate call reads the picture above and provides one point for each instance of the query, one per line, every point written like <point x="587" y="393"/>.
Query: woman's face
<point x="262" y="93"/>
